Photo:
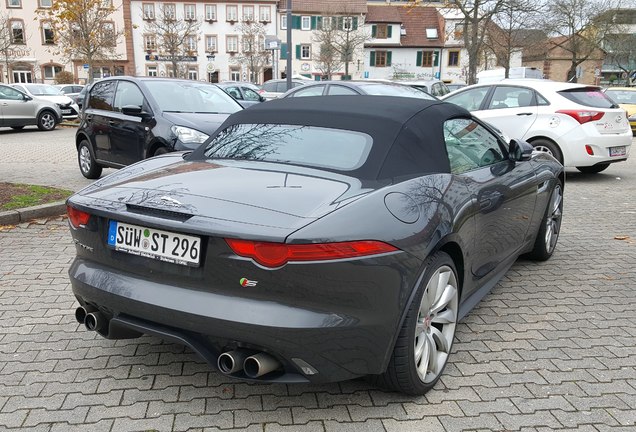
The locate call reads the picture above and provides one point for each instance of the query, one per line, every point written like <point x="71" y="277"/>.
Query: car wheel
<point x="593" y="169"/>
<point x="426" y="337"/>
<point x="160" y="151"/>
<point x="46" y="121"/>
<point x="548" y="147"/>
<point x="548" y="234"/>
<point x="89" y="168"/>
<point x="17" y="127"/>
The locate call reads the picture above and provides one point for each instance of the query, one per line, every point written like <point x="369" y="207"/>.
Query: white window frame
<point x="10" y="3"/>
<point x="14" y="24"/>
<point x="264" y="13"/>
<point x="305" y="20"/>
<point x="191" y="43"/>
<point x="210" y="12"/>
<point x="47" y="25"/>
<point x="231" y="43"/>
<point x="53" y="73"/>
<point x="211" y="43"/>
<point x="283" y="22"/>
<point x="307" y="48"/>
<point x="235" y="74"/>
<point x="150" y="42"/>
<point x="170" y="11"/>
<point x="45" y="3"/>
<point x="247" y="16"/>
<point x="152" y="71"/>
<point x="189" y="12"/>
<point x="148" y="11"/>
<point x="347" y="23"/>
<point x="231" y="13"/>
<point x="193" y="74"/>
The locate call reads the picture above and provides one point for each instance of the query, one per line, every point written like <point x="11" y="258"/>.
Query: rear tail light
<point x="583" y="116"/>
<point x="278" y="254"/>
<point x="78" y="218"/>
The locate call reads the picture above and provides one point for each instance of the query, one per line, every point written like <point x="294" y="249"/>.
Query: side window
<point x="101" y="96"/>
<point x="234" y="92"/>
<point x="10" y="94"/>
<point x="341" y="90"/>
<point x="470" y="145"/>
<point x="510" y="97"/>
<point x="469" y="99"/>
<point x="310" y="91"/>
<point x="128" y="94"/>
<point x="269" y="86"/>
<point x="251" y="95"/>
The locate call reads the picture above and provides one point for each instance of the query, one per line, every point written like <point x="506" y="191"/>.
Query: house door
<point x="267" y="74"/>
<point x="213" y="77"/>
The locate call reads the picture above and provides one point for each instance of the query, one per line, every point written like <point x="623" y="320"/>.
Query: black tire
<point x="47" y="120"/>
<point x="549" y="147"/>
<point x="593" y="169"/>
<point x="550" y="227"/>
<point x="160" y="151"/>
<point x="17" y="127"/>
<point x="402" y="372"/>
<point x="86" y="160"/>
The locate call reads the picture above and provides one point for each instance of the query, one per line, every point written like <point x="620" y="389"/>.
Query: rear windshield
<point x="337" y="149"/>
<point x="191" y="97"/>
<point x="588" y="96"/>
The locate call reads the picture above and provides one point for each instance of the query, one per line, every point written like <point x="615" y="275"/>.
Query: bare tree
<point x="176" y="38"/>
<point x="84" y="30"/>
<point x="621" y="53"/>
<point x="253" y="53"/>
<point x="6" y="42"/>
<point x="339" y="34"/>
<point x="507" y="32"/>
<point x="580" y="29"/>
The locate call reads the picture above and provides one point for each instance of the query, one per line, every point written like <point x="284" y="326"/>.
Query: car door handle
<point x="112" y="122"/>
<point x="524" y="114"/>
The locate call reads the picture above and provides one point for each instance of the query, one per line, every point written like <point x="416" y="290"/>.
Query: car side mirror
<point x="519" y="150"/>
<point x="135" y="110"/>
<point x="261" y="98"/>
<point x="27" y="98"/>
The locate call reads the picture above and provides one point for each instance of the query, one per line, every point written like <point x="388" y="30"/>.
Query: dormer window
<point x="431" y="33"/>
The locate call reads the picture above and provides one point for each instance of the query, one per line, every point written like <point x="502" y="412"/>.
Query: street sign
<point x="85" y="65"/>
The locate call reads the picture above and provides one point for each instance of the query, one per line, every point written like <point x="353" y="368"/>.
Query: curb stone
<point x="12" y="217"/>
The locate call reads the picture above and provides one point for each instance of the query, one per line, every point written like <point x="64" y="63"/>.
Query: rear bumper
<point x="336" y="345"/>
<point x="575" y="154"/>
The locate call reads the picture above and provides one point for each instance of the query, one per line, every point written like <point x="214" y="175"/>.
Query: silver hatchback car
<point x="18" y="109"/>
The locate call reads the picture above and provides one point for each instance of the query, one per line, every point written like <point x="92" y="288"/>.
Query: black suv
<point x="127" y="119"/>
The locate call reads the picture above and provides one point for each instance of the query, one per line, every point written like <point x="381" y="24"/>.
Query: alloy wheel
<point x="85" y="159"/>
<point x="436" y="322"/>
<point x="48" y="121"/>
<point x="553" y="219"/>
<point x="544" y="149"/>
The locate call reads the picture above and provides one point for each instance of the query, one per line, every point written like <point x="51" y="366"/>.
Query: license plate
<point x="617" y="151"/>
<point x="66" y="111"/>
<point x="153" y="243"/>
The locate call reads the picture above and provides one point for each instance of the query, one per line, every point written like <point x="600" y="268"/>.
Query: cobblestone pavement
<point x="552" y="347"/>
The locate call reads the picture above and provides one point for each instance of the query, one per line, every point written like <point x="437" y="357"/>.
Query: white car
<point x="576" y="123"/>
<point x="69" y="109"/>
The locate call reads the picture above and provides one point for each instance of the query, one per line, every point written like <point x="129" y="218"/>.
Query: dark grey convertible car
<point x="315" y="239"/>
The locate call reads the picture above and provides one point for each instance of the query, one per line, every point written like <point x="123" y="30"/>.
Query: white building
<point x="213" y="51"/>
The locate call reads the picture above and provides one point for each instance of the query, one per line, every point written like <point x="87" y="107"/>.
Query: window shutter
<point x="319" y="23"/>
<point x="372" y="57"/>
<point x="314" y="23"/>
<point x="354" y="24"/>
<point x="296" y="22"/>
<point x="283" y="51"/>
<point x="418" y="62"/>
<point x="340" y="20"/>
<point x="297" y="51"/>
<point x="389" y="31"/>
<point x="388" y="58"/>
<point x="435" y="58"/>
<point x="374" y="30"/>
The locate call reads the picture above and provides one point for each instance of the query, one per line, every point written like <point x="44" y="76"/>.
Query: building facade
<point x="33" y="55"/>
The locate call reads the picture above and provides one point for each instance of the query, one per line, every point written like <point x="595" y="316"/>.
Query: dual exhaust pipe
<point x="254" y="366"/>
<point x="91" y="318"/>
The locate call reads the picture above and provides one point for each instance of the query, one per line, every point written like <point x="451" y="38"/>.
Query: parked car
<point x="576" y="123"/>
<point x="435" y="87"/>
<point x="70" y="110"/>
<point x="245" y="93"/>
<point x="128" y="119"/>
<point x="625" y="97"/>
<point x="455" y="86"/>
<point x="71" y="90"/>
<point x="315" y="239"/>
<point x="275" y="88"/>
<point x="366" y="87"/>
<point x="82" y="95"/>
<point x="18" y="109"/>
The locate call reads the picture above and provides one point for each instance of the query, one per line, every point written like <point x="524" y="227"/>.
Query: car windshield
<point x="622" y="96"/>
<point x="43" y="90"/>
<point x="301" y="145"/>
<point x="394" y="90"/>
<point x="191" y="97"/>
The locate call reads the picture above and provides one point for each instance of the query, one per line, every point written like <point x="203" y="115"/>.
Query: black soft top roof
<point x="407" y="133"/>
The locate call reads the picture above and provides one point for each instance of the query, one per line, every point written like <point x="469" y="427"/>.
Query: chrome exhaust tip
<point x="231" y="361"/>
<point x="260" y="364"/>
<point x="95" y="321"/>
<point x="81" y="312"/>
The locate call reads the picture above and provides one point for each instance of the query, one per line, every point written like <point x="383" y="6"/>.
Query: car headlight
<point x="187" y="135"/>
